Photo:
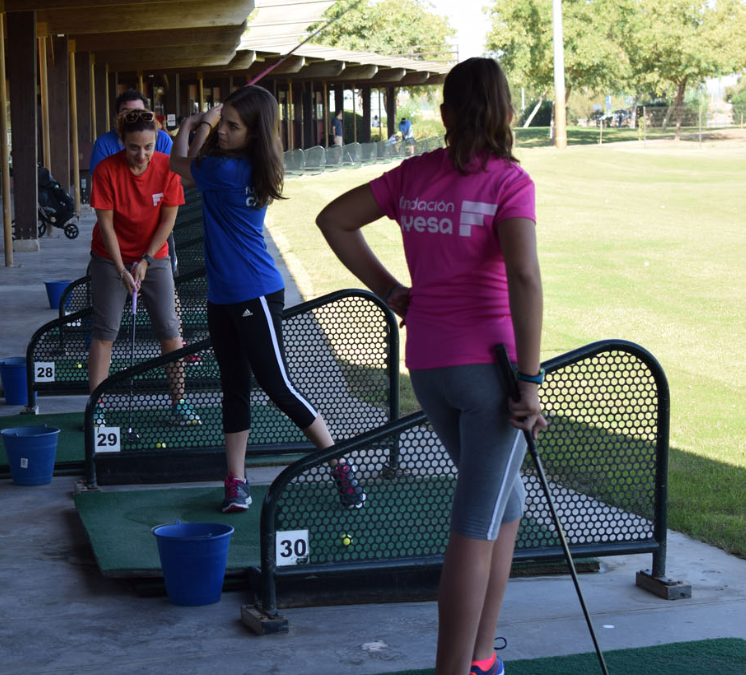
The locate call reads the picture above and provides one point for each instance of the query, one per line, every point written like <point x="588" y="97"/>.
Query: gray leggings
<point x="467" y="407"/>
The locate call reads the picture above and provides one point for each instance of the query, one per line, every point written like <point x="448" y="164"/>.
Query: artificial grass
<point x="726" y="656"/>
<point x="70" y="442"/>
<point x="642" y="244"/>
<point x="119" y="525"/>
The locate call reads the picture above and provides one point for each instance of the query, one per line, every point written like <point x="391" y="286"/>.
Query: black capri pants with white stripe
<point x="247" y="337"/>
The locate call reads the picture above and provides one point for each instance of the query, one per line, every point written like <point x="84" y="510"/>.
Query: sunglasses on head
<point x="134" y="115"/>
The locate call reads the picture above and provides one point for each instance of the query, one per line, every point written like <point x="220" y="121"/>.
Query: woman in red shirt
<point x="136" y="197"/>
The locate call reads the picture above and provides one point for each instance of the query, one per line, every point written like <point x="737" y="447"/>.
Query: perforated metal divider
<point x="342" y="353"/>
<point x="604" y="452"/>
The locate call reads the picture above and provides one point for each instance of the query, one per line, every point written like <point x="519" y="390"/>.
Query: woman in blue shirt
<point x="238" y="169"/>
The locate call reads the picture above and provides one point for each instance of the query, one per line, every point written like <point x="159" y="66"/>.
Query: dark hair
<point x="258" y="110"/>
<point x="477" y="94"/>
<point x="124" y="127"/>
<point x="129" y="95"/>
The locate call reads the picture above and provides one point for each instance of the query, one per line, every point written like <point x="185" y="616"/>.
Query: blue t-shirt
<point x="239" y="266"/>
<point x="109" y="144"/>
<point x="406" y="128"/>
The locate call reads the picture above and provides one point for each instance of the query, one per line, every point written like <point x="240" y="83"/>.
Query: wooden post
<point x="7" y="220"/>
<point x="380" y="117"/>
<point x="74" y="125"/>
<point x="354" y="114"/>
<point x="326" y="116"/>
<point x="140" y="83"/>
<point x="108" y="103"/>
<point x="58" y="79"/>
<point x="93" y="97"/>
<point x="291" y="115"/>
<point x="201" y="81"/>
<point x="44" y="86"/>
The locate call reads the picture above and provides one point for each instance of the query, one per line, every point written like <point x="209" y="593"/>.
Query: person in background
<point x="407" y="134"/>
<point x="338" y="129"/>
<point x="475" y="284"/>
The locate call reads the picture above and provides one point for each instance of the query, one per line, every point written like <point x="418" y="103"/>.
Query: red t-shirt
<point x="136" y="202"/>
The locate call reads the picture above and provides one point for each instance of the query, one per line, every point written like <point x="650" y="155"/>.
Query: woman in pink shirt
<point x="467" y="219"/>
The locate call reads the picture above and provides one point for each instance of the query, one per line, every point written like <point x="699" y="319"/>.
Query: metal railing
<point x="605" y="453"/>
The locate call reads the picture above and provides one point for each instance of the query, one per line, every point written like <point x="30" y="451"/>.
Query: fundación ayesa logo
<point x="441" y="214"/>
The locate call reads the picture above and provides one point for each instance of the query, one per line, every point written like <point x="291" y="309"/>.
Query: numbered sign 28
<point x="43" y="371"/>
<point x="291" y="548"/>
<point x="107" y="439"/>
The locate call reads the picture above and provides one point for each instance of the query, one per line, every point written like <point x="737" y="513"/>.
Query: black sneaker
<point x="351" y="494"/>
<point x="237" y="497"/>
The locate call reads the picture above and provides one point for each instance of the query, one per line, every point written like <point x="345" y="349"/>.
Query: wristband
<point x="148" y="258"/>
<point x="207" y="123"/>
<point x="536" y="379"/>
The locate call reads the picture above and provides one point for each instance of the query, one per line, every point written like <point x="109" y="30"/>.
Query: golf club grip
<point x="506" y="368"/>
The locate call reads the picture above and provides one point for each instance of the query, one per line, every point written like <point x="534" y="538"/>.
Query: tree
<point x="737" y="96"/>
<point x="521" y="39"/>
<point x="683" y="42"/>
<point x="403" y="27"/>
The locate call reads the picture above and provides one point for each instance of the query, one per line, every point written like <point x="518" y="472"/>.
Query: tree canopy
<point x="621" y="45"/>
<point x="403" y="27"/>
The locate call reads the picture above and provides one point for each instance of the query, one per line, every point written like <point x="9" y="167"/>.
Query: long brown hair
<point x="477" y="94"/>
<point x="258" y="110"/>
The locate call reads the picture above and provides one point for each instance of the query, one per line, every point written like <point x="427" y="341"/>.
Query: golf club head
<point x="133" y="436"/>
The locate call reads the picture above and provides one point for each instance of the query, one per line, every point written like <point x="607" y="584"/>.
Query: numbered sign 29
<point x="43" y="371"/>
<point x="107" y="439"/>
<point x="291" y="548"/>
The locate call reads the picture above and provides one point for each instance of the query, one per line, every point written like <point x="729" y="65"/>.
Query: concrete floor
<point x="59" y="615"/>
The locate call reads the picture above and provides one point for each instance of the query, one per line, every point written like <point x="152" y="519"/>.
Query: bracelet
<point x="121" y="274"/>
<point x="536" y="379"/>
<point x="207" y="123"/>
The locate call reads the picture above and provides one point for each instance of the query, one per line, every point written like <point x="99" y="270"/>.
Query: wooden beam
<point x="160" y="66"/>
<point x="159" y="54"/>
<point x="354" y="73"/>
<point x="119" y="18"/>
<point x="388" y="75"/>
<point x="413" y="79"/>
<point x="229" y="36"/>
<point x="44" y="92"/>
<point x="27" y="5"/>
<point x="321" y="70"/>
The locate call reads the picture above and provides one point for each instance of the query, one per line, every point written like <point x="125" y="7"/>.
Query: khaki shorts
<point x="110" y="295"/>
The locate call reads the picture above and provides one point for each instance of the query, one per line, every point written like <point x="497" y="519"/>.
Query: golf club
<point x="132" y="435"/>
<point x="508" y="374"/>
<point x="268" y="70"/>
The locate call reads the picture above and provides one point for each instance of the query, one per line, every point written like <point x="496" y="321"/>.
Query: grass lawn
<point x="644" y="244"/>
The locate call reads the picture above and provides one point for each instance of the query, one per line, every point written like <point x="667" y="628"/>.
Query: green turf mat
<point x="119" y="523"/>
<point x="725" y="657"/>
<point x="70" y="442"/>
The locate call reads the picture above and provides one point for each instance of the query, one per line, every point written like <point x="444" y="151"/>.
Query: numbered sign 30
<point x="43" y="371"/>
<point x="291" y="548"/>
<point x="107" y="439"/>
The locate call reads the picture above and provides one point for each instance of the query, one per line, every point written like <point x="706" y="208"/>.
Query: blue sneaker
<point x="496" y="668"/>
<point x="183" y="415"/>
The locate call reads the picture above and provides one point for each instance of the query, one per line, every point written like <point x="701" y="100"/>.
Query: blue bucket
<point x="31" y="452"/>
<point x="54" y="292"/>
<point x="193" y="559"/>
<point x="13" y="375"/>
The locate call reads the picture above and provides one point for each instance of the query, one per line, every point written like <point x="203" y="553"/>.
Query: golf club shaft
<point x="268" y="70"/>
<point x="132" y="352"/>
<point x="509" y="378"/>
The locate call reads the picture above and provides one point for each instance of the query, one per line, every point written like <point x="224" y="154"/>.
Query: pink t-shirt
<point x="459" y="305"/>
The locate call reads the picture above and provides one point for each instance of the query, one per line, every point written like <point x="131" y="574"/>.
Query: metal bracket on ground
<point x="30" y="410"/>
<point x="261" y="623"/>
<point x="663" y="587"/>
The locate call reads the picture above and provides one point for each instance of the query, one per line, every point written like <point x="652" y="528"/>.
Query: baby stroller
<point x="56" y="207"/>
